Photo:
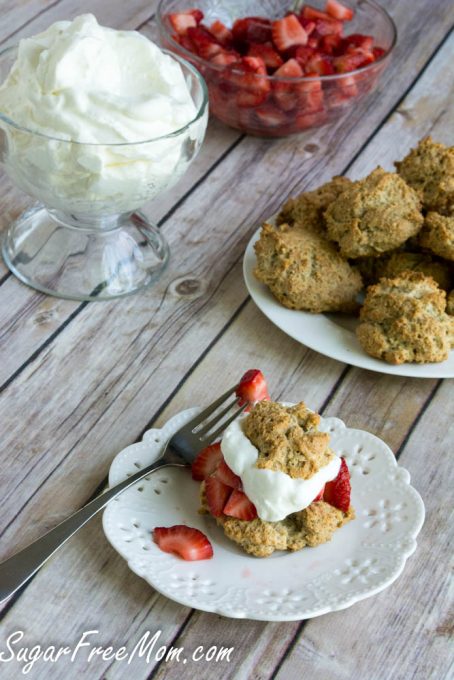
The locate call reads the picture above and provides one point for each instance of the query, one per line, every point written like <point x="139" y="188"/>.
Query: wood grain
<point x="85" y="386"/>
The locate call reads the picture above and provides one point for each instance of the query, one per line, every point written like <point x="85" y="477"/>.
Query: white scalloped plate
<point x="363" y="558"/>
<point x="330" y="334"/>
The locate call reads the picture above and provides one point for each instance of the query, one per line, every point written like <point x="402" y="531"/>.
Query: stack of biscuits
<point x="390" y="233"/>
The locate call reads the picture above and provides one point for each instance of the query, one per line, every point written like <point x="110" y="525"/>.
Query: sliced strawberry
<point x="331" y="44"/>
<point x="357" y="40"/>
<point x="180" y="22"/>
<point x="187" y="542"/>
<point x="223" y="34"/>
<point x="308" y="25"/>
<point x="313" y="41"/>
<point x="217" y="494"/>
<point x="348" y="87"/>
<point x="309" y="12"/>
<point x="328" y="27"/>
<point x="206" y="462"/>
<point x="338" y="491"/>
<point x="253" y="87"/>
<point x="378" y="52"/>
<point x="319" y="65"/>
<point x="252" y="387"/>
<point x="197" y="14"/>
<point x="205" y="44"/>
<point x="225" y="475"/>
<point x="225" y="58"/>
<point x="270" y="116"/>
<point x="286" y="93"/>
<point x="303" y="54"/>
<point x="240" y="506"/>
<point x="319" y="497"/>
<point x="351" y="61"/>
<point x="309" y="120"/>
<point x="288" y="32"/>
<point x="337" y="10"/>
<point x="252" y="29"/>
<point x="267" y="52"/>
<point x="311" y="95"/>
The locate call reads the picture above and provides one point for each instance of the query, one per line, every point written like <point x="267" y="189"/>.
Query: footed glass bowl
<point x="85" y="239"/>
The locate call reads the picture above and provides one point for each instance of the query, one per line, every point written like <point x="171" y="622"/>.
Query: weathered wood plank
<point x="407" y="629"/>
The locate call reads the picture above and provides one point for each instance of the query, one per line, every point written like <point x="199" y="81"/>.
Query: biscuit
<point x="307" y="209"/>
<point x="310" y="527"/>
<point x="450" y="303"/>
<point x="395" y="263"/>
<point x="429" y="169"/>
<point x="403" y="320"/>
<point x="304" y="271"/>
<point x="287" y="439"/>
<point x="374" y="215"/>
<point x="437" y="235"/>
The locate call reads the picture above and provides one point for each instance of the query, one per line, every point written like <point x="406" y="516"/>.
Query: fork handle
<point x="15" y="571"/>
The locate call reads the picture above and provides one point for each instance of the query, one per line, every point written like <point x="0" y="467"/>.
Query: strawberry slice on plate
<point x="288" y="32"/>
<point x="252" y="387"/>
<point x="187" y="542"/>
<point x="206" y="462"/>
<point x="217" y="494"/>
<point x="240" y="506"/>
<point x="225" y="475"/>
<point x="338" y="491"/>
<point x="337" y="10"/>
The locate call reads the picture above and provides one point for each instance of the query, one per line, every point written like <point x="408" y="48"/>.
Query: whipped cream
<point x="84" y="83"/>
<point x="274" y="494"/>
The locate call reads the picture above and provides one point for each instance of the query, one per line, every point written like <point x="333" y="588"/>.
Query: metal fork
<point x="181" y="449"/>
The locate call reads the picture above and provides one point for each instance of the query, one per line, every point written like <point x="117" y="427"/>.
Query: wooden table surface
<point x="81" y="381"/>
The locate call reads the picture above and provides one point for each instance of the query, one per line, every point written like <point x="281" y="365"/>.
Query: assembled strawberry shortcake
<point x="272" y="482"/>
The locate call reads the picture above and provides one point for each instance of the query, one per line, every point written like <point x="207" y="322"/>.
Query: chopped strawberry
<point x="227" y="476"/>
<point x="182" y="21"/>
<point x="267" y="52"/>
<point x="308" y="25"/>
<point x="319" y="497"/>
<point x="206" y="44"/>
<point x="328" y="27"/>
<point x="197" y="14"/>
<point x="252" y="387"/>
<point x="286" y="93"/>
<point x="309" y="120"/>
<point x="337" y="10"/>
<point x="225" y="58"/>
<point x="271" y="116"/>
<point x="206" y="462"/>
<point x="253" y="87"/>
<point x="252" y="29"/>
<point x="223" y="34"/>
<point x="331" y="44"/>
<point x="348" y="86"/>
<point x="288" y="32"/>
<point x="313" y="42"/>
<point x="240" y="506"/>
<point x="303" y="54"/>
<point x="187" y="542"/>
<point x="338" y="491"/>
<point x="351" y="61"/>
<point x="378" y="52"/>
<point x="309" y="12"/>
<point x="217" y="494"/>
<point x="320" y="65"/>
<point x="311" y="95"/>
<point x="355" y="40"/>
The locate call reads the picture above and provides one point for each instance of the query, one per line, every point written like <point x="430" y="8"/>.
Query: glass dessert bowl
<point x="86" y="238"/>
<point x="302" y="89"/>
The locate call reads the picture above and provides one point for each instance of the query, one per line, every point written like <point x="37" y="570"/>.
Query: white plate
<point x="363" y="558"/>
<point x="329" y="334"/>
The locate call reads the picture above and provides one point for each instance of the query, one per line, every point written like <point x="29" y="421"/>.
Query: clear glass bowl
<point x="85" y="239"/>
<point x="324" y="99"/>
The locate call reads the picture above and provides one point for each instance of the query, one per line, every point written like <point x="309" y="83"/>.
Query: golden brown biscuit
<point x="307" y="209"/>
<point x="287" y="439"/>
<point x="437" y="235"/>
<point x="395" y="263"/>
<point x="310" y="527"/>
<point x="450" y="303"/>
<point x="403" y="320"/>
<point x="374" y="215"/>
<point x="304" y="271"/>
<point x="429" y="169"/>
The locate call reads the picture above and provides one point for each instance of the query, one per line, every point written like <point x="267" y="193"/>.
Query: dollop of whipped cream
<point x="96" y="97"/>
<point x="84" y="82"/>
<point x="274" y="494"/>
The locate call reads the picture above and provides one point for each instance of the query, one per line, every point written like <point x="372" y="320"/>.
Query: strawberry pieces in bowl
<point x="272" y="72"/>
